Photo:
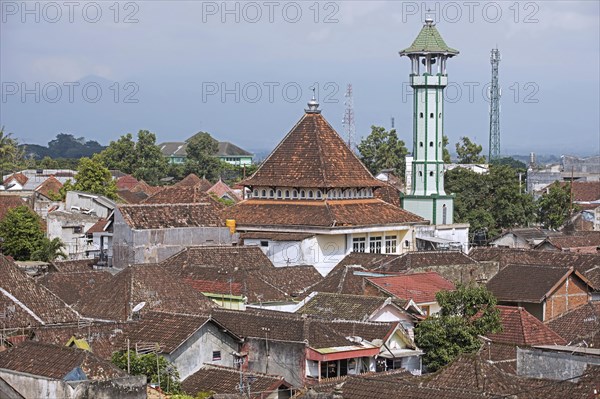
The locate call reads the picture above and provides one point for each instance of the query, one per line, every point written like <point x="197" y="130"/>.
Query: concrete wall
<point x="286" y="359"/>
<point x="510" y="240"/>
<point x="32" y="386"/>
<point x="198" y="350"/>
<point x="87" y="201"/>
<point x="61" y="224"/>
<point x="155" y="245"/>
<point x="537" y="363"/>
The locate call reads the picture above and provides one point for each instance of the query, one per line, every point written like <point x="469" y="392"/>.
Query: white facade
<point x="70" y="228"/>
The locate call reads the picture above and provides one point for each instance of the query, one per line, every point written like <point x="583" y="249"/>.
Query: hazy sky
<point x="243" y="70"/>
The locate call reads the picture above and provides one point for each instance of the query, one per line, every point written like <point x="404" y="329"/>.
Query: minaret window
<point x="295" y="194"/>
<point x="310" y="194"/>
<point x="302" y="194"/>
<point x="420" y="144"/>
<point x="431" y="143"/>
<point x="287" y="194"/>
<point x="420" y="174"/>
<point x="421" y="115"/>
<point x="431" y="115"/>
<point x="319" y="194"/>
<point x="263" y="193"/>
<point x="440" y="115"/>
<point x="431" y="174"/>
<point x="271" y="193"/>
<point x="278" y="193"/>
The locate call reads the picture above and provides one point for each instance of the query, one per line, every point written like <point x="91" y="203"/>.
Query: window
<point x="264" y="243"/>
<point x="216" y="355"/>
<point x="271" y="193"/>
<point x="425" y="309"/>
<point x="77" y="230"/>
<point x="431" y="174"/>
<point x="375" y="245"/>
<point x="444" y="214"/>
<point x="420" y="115"/>
<point x="358" y="244"/>
<point x="406" y="244"/>
<point x="302" y="194"/>
<point x="278" y="193"/>
<point x="440" y="115"/>
<point x="255" y="193"/>
<point x="431" y="115"/>
<point x="319" y="195"/>
<point x="431" y="143"/>
<point x="420" y="144"/>
<point x="287" y="194"/>
<point x="420" y="174"/>
<point x="263" y="193"/>
<point x="390" y="244"/>
<point x="295" y="194"/>
<point x="310" y="194"/>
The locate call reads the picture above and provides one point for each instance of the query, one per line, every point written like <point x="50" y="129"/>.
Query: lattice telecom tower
<point x="494" y="108"/>
<point x="348" y="121"/>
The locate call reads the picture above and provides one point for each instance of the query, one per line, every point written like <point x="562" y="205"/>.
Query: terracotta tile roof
<point x="8" y="202"/>
<point x="295" y="328"/>
<point x="49" y="187"/>
<point x="578" y="325"/>
<point x="164" y="216"/>
<point x="526" y="283"/>
<point x="587" y="264"/>
<point x="420" y="287"/>
<point x="244" y="267"/>
<point x="221" y="189"/>
<point x="26" y="302"/>
<point x="103" y="338"/>
<point x="343" y="307"/>
<point x="342" y="279"/>
<point x="220" y="379"/>
<point x="215" y="287"/>
<point x="573" y="241"/>
<point x="585" y="191"/>
<point x="19" y="177"/>
<point x="131" y="197"/>
<point x="273" y="236"/>
<point x="389" y="194"/>
<point x="70" y="266"/>
<point x="180" y="195"/>
<point x="501" y="355"/>
<point x="329" y="213"/>
<point x="71" y="287"/>
<point x="97" y="227"/>
<point x="53" y="361"/>
<point x="192" y="180"/>
<point x="312" y="154"/>
<point x="519" y="327"/>
<point x="126" y="182"/>
<point x="142" y="186"/>
<point x="113" y="299"/>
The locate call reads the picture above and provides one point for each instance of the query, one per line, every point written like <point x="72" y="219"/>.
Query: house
<point x="187" y="341"/>
<point x="526" y="238"/>
<point x="314" y="188"/>
<point x="224" y="192"/>
<point x="46" y="196"/>
<point x="100" y="237"/>
<point x="520" y="329"/>
<point x="139" y="289"/>
<point x="150" y="233"/>
<point x="180" y="194"/>
<point x="228" y="152"/>
<point x="421" y="288"/>
<point x="71" y="228"/>
<point x="305" y="350"/>
<point x="582" y="242"/>
<point x="545" y="292"/>
<point x="26" y="181"/>
<point x="560" y="363"/>
<point x="226" y="380"/>
<point x="89" y="204"/>
<point x="36" y="370"/>
<point x="15" y="182"/>
<point x="236" y="276"/>
<point x="580" y="326"/>
<point x="25" y="303"/>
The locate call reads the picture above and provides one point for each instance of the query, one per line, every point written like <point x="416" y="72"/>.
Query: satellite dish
<point x="139" y="306"/>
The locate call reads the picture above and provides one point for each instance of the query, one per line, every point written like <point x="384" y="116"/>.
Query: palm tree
<point x="49" y="250"/>
<point x="10" y="153"/>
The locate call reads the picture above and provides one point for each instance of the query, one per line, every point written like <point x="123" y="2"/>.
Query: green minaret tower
<point x="426" y="196"/>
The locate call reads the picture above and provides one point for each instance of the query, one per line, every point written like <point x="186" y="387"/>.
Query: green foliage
<point x="199" y="395"/>
<point x="554" y="206"/>
<point x="11" y="155"/>
<point x="49" y="250"/>
<point x="68" y="146"/>
<point x="147" y="365"/>
<point x="21" y="230"/>
<point x="143" y="159"/>
<point x="92" y="177"/>
<point x="383" y="150"/>
<point x="513" y="163"/>
<point x="489" y="202"/>
<point x="469" y="152"/>
<point x="201" y="159"/>
<point x="466" y="313"/>
<point x="445" y="153"/>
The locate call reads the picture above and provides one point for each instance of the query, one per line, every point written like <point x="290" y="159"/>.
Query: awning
<point x="438" y="240"/>
<point x="398" y="353"/>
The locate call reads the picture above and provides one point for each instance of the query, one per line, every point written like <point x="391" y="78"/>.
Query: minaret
<point x="426" y="196"/>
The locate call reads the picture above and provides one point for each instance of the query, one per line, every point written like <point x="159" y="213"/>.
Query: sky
<point x="243" y="71"/>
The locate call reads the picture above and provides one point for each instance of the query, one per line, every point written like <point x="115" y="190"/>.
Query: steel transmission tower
<point x="494" y="108"/>
<point x="348" y="121"/>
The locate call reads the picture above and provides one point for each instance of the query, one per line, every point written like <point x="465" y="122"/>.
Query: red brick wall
<point x="571" y="294"/>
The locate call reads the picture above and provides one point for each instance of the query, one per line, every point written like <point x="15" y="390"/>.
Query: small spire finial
<point x="313" y="105"/>
<point x="429" y="21"/>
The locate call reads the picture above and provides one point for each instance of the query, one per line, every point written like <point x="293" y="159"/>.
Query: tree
<point x="383" y="150"/>
<point x="147" y="365"/>
<point x="48" y="163"/>
<point x="469" y="152"/>
<point x="68" y="146"/>
<point x="554" y="206"/>
<point x="92" y="177"/>
<point x="445" y="153"/>
<point x="510" y="161"/>
<point x="466" y="313"/>
<point x="21" y="231"/>
<point x="11" y="155"/>
<point x="143" y="159"/>
<point x="49" y="250"/>
<point x="201" y="159"/>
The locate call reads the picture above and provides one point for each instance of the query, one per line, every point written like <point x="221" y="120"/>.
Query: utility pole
<point x="494" y="151"/>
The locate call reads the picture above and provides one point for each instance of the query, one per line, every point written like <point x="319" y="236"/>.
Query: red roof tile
<point x="98" y="227"/>
<point x="8" y="202"/>
<point x="574" y="241"/>
<point x="49" y="187"/>
<point x="18" y="177"/>
<point x="126" y="182"/>
<point x="585" y="191"/>
<point x="312" y="154"/>
<point x="221" y="189"/>
<point x="192" y="180"/>
<point x="71" y="287"/>
<point x="581" y="324"/>
<point x="519" y="327"/>
<point x="180" y="195"/>
<point x="163" y="216"/>
<point x="420" y="287"/>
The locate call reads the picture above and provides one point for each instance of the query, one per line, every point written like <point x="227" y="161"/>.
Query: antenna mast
<point x="494" y="152"/>
<point x="348" y="120"/>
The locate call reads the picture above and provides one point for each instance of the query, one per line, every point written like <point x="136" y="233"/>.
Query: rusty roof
<point x="19" y="177"/>
<point x="312" y="154"/>
<point x="126" y="182"/>
<point x="71" y="287"/>
<point x="49" y="187"/>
